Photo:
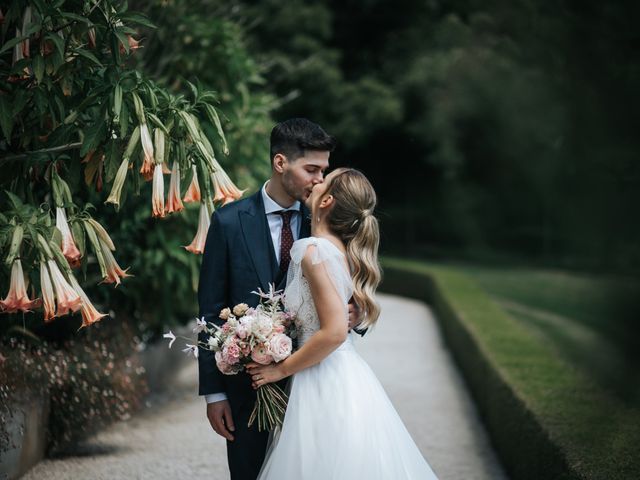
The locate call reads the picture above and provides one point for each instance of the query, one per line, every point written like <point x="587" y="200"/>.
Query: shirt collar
<point x="271" y="206"/>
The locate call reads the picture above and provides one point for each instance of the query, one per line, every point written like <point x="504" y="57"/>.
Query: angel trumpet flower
<point x="114" y="272"/>
<point x="157" y="199"/>
<point x="68" y="299"/>
<point x="225" y="190"/>
<point x="48" y="296"/>
<point x="89" y="313"/>
<point x="118" y="183"/>
<point x="193" y="192"/>
<point x="147" y="150"/>
<point x="197" y="245"/>
<point x="17" y="298"/>
<point x="69" y="248"/>
<point x="174" y="203"/>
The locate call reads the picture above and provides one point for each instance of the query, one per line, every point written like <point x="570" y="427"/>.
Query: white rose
<point x="279" y="347"/>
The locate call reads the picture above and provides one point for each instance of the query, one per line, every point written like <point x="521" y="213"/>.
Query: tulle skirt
<point x="340" y="425"/>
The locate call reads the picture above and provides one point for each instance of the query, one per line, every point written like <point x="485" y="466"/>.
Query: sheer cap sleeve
<point x="323" y="252"/>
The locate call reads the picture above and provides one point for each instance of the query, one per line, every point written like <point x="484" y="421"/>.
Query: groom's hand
<point x="354" y="315"/>
<point x="219" y="415"/>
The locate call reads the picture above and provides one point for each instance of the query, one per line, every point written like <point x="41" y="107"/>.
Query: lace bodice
<point x="297" y="293"/>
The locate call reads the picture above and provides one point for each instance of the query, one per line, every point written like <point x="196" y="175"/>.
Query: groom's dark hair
<point x="293" y="137"/>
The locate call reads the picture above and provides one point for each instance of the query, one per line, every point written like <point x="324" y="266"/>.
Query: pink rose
<point x="230" y="352"/>
<point x="279" y="347"/>
<point x="223" y="366"/>
<point x="278" y="328"/>
<point x="260" y="354"/>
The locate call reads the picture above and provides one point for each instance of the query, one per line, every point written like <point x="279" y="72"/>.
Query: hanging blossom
<point x="157" y="197"/>
<point x="225" y="190"/>
<point x="89" y="313"/>
<point x="174" y="203"/>
<point x="193" y="192"/>
<point x="48" y="296"/>
<point x="118" y="183"/>
<point x="69" y="248"/>
<point x="17" y="298"/>
<point x="114" y="272"/>
<point x="197" y="245"/>
<point x="67" y="298"/>
<point x="147" y="152"/>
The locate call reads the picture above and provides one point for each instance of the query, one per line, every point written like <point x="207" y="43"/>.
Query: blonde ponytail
<point x="351" y="218"/>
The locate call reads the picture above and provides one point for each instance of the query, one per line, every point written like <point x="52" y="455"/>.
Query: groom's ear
<point x="279" y="161"/>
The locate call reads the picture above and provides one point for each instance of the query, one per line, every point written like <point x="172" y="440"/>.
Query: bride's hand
<point x="263" y="374"/>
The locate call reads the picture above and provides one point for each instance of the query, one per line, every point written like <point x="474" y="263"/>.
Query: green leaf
<point x="137" y="18"/>
<point x="38" y="67"/>
<point x="156" y="121"/>
<point x="79" y="237"/>
<point x="97" y="248"/>
<point x="17" y="203"/>
<point x="6" y="117"/>
<point x="57" y="40"/>
<point x="94" y="135"/>
<point x="78" y="18"/>
<point x="213" y="116"/>
<point x="13" y="42"/>
<point x="86" y="54"/>
<point x="122" y="38"/>
<point x="117" y="100"/>
<point x="124" y="120"/>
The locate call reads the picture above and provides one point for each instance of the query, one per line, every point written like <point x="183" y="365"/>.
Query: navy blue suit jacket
<point x="238" y="258"/>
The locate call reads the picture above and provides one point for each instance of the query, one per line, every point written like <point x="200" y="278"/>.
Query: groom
<point x="247" y="248"/>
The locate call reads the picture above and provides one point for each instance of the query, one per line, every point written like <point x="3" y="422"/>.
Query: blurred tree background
<point x="488" y="129"/>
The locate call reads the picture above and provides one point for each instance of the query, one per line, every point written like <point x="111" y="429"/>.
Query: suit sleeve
<point x="212" y="297"/>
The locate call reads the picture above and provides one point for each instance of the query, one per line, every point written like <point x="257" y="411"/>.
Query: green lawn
<point x="591" y="321"/>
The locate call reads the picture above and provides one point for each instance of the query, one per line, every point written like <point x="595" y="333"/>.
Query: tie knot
<point x="286" y="217"/>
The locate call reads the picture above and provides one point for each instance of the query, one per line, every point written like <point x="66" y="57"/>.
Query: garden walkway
<point x="172" y="438"/>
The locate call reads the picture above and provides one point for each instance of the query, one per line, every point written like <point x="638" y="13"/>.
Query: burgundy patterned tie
<point x="286" y="240"/>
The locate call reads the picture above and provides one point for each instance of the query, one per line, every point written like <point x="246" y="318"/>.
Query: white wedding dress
<point x="339" y="424"/>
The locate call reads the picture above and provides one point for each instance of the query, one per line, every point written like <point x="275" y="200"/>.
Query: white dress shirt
<point x="272" y="210"/>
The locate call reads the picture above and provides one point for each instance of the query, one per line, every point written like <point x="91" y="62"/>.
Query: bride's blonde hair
<point x="351" y="218"/>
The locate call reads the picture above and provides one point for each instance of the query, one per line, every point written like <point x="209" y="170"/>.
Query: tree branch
<point x="23" y="156"/>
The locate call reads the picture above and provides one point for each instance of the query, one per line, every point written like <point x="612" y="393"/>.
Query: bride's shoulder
<point x="314" y="249"/>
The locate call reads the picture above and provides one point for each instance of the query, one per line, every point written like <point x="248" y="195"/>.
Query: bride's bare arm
<point x="333" y="330"/>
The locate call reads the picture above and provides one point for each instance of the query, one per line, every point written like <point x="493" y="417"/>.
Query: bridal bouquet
<point x="262" y="335"/>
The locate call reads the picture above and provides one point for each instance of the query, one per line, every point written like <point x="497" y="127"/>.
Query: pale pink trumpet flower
<point x="17" y="300"/>
<point x="89" y="313"/>
<point x="147" y="169"/>
<point x="114" y="272"/>
<point x="69" y="248"/>
<point x="48" y="295"/>
<point x="67" y="298"/>
<point x="174" y="203"/>
<point x="197" y="245"/>
<point x="193" y="192"/>
<point x="157" y="198"/>
<point x="225" y="190"/>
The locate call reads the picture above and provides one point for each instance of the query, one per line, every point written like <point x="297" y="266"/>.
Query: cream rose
<point x="279" y="347"/>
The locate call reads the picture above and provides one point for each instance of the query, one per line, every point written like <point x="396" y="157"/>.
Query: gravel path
<point x="172" y="439"/>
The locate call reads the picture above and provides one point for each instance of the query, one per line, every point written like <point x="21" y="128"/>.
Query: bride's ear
<point x="327" y="201"/>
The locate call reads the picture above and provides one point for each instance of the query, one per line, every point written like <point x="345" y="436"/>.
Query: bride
<point x="339" y="423"/>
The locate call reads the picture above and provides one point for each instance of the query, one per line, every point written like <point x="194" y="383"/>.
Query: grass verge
<point x="547" y="419"/>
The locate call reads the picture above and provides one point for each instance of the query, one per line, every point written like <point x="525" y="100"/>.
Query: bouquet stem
<point x="269" y="408"/>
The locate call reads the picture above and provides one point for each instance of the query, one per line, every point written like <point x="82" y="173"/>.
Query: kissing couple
<point x="317" y="238"/>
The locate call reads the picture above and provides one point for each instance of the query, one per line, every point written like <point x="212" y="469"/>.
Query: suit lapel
<point x="258" y="240"/>
<point x="305" y="222"/>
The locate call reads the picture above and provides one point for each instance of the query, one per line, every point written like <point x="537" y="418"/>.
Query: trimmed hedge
<point x="546" y="419"/>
